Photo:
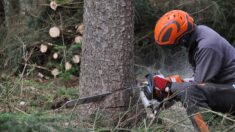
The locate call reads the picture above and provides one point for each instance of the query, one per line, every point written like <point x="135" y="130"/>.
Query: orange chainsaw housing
<point x="175" y="78"/>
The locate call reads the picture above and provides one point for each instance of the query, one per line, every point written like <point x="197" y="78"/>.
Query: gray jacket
<point x="213" y="57"/>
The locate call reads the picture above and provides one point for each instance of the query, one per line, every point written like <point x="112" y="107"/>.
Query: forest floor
<point x="35" y="104"/>
<point x="29" y="104"/>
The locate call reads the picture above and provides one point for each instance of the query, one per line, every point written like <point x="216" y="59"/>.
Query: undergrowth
<point x="26" y="104"/>
<point x="36" y="113"/>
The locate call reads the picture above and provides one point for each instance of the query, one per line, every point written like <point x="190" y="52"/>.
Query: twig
<point x="120" y="119"/>
<point x="21" y="111"/>
<point x="39" y="67"/>
<point x="168" y="120"/>
<point x="145" y="126"/>
<point x="96" y="118"/>
<point x="133" y="117"/>
<point x="26" y="58"/>
<point x="203" y="9"/>
<point x="231" y="127"/>
<point x="62" y="36"/>
<point x="145" y="36"/>
<point x="220" y="114"/>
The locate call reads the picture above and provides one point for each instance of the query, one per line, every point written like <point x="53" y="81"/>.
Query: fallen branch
<point x="35" y="66"/>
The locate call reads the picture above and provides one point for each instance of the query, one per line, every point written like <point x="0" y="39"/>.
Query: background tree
<point x="107" y="53"/>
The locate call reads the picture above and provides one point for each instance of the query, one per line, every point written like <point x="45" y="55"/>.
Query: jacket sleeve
<point x="208" y="65"/>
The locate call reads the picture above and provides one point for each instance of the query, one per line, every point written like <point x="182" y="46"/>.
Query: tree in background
<point x="107" y="54"/>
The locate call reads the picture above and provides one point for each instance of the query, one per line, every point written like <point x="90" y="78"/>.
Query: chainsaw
<point x="152" y="107"/>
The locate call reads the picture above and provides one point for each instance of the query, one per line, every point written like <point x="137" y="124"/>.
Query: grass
<point x="37" y="113"/>
<point x="40" y="95"/>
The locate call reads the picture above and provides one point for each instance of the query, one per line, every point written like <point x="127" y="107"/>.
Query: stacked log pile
<point x="60" y="54"/>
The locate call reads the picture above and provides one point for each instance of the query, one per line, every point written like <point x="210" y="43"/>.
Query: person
<point x="213" y="60"/>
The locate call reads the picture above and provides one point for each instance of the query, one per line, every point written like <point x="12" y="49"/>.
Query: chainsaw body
<point x="153" y="106"/>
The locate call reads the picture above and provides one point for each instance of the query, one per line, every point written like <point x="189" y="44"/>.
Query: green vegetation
<point x="29" y="104"/>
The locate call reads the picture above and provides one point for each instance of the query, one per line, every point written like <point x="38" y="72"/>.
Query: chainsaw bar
<point x="98" y="97"/>
<point x="86" y="100"/>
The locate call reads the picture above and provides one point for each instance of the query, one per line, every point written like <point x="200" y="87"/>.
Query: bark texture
<point x="107" y="53"/>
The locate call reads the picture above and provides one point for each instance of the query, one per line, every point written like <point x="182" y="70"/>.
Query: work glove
<point x="161" y="88"/>
<point x="157" y="87"/>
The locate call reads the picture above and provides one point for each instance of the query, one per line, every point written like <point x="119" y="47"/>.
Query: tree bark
<point x="107" y="54"/>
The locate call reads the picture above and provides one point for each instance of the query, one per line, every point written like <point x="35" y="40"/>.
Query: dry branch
<point x="38" y="67"/>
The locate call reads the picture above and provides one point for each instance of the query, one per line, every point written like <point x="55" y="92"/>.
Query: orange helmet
<point x="172" y="26"/>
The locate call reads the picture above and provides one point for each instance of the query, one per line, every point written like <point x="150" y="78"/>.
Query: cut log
<point x="55" y="55"/>
<point x="22" y="103"/>
<point x="76" y="59"/>
<point x="80" y="28"/>
<point x="40" y="75"/>
<point x="68" y="66"/>
<point x="50" y="44"/>
<point x="43" y="48"/>
<point x="78" y="39"/>
<point x="53" y="5"/>
<point x="54" y="32"/>
<point x="55" y="72"/>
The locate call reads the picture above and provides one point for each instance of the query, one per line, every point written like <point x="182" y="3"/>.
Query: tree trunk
<point x="107" y="54"/>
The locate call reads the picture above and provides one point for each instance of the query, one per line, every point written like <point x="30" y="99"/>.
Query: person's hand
<point x="161" y="88"/>
<point x="157" y="88"/>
